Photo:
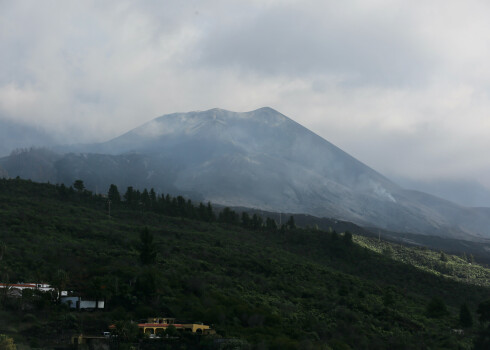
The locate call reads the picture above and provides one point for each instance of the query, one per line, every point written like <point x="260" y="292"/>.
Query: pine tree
<point x="63" y="191"/>
<point x="347" y="238"/>
<point x="147" y="250"/>
<point x="256" y="222"/>
<point x="228" y="216"/>
<point x="465" y="318"/>
<point x="153" y="196"/>
<point x="129" y="196"/>
<point x="113" y="194"/>
<point x="436" y="308"/>
<point x="3" y="248"/>
<point x="484" y="312"/>
<point x="246" y="220"/>
<point x="202" y="212"/>
<point x="145" y="198"/>
<point x="78" y="185"/>
<point x="270" y="224"/>
<point x="211" y="216"/>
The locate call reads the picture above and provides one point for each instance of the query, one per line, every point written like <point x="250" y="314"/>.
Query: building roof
<point x="19" y="285"/>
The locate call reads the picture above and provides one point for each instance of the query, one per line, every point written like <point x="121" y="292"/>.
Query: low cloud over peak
<point x="402" y="86"/>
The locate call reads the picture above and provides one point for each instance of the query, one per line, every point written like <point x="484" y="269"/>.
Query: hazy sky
<point x="404" y="86"/>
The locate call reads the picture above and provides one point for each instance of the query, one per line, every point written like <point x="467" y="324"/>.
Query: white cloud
<point x="403" y="86"/>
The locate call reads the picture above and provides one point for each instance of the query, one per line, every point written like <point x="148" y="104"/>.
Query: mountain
<point x="260" y="159"/>
<point x="15" y="135"/>
<point x="467" y="193"/>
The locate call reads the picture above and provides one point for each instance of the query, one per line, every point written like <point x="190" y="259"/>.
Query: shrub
<point x="436" y="308"/>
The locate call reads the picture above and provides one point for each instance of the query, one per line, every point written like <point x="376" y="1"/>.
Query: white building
<point x="81" y="304"/>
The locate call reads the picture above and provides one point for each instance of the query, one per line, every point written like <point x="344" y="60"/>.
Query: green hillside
<point x="272" y="288"/>
<point x="461" y="268"/>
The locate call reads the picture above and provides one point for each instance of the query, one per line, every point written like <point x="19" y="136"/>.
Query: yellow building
<point x="157" y="325"/>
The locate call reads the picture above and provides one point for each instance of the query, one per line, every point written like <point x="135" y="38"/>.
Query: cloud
<point x="358" y="45"/>
<point x="403" y="86"/>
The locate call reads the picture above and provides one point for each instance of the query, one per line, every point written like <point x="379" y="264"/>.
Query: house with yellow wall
<point x="157" y="325"/>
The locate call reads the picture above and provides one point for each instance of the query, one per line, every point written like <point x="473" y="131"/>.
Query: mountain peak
<point x="266" y="109"/>
<point x="261" y="109"/>
<point x="201" y="122"/>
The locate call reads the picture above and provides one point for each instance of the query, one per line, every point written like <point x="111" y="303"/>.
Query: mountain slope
<point x="464" y="192"/>
<point x="264" y="160"/>
<point x="259" y="159"/>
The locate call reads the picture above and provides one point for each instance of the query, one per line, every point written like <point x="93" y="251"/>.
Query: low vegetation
<point x="461" y="268"/>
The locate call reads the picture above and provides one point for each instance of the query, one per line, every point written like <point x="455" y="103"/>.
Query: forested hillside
<point x="270" y="287"/>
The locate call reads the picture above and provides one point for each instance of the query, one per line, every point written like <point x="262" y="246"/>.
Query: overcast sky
<point x="401" y="85"/>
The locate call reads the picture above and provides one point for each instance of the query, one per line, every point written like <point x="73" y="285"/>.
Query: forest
<point x="260" y="284"/>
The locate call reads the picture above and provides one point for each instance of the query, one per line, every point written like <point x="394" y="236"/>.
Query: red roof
<point x="112" y="326"/>
<point x="29" y="285"/>
<point x="159" y="324"/>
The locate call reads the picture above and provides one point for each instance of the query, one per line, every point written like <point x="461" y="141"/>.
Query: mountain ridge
<point x="15" y="135"/>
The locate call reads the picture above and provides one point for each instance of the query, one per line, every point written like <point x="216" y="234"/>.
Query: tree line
<point x="176" y="206"/>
